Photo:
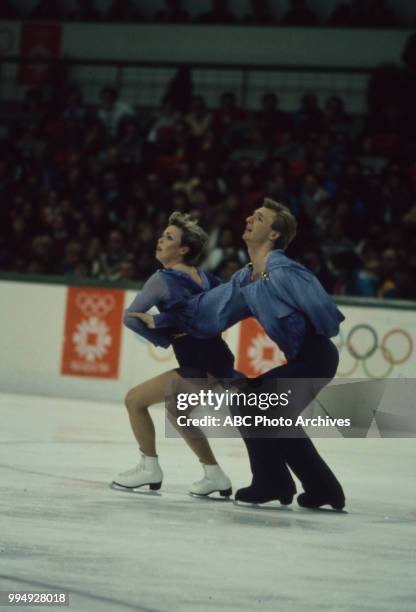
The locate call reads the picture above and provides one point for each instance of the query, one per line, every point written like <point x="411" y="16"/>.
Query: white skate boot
<point x="147" y="472"/>
<point x="214" y="480"/>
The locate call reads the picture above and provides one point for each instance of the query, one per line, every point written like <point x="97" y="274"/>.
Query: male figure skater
<point x="297" y="313"/>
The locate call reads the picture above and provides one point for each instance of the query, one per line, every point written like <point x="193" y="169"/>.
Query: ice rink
<point x="62" y="527"/>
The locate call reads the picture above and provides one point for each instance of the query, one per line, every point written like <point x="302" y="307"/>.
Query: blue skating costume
<point x="166" y="289"/>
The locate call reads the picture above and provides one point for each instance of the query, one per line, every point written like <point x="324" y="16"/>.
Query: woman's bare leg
<point x="197" y="442"/>
<point x="151" y="392"/>
<point x="137" y="402"/>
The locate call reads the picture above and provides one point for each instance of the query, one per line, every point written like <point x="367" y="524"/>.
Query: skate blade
<point x="273" y="505"/>
<point x="267" y="507"/>
<point x="325" y="510"/>
<point x="212" y="496"/>
<point x="246" y="504"/>
<point x="136" y="490"/>
<point x="238" y="502"/>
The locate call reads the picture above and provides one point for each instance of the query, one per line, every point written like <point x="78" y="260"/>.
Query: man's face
<point x="259" y="228"/>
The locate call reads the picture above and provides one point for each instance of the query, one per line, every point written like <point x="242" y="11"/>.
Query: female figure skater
<point x="179" y="248"/>
<point x="297" y="313"/>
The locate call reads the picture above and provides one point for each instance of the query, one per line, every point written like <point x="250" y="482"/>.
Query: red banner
<point x="257" y="353"/>
<point x="42" y="41"/>
<point x="92" y="332"/>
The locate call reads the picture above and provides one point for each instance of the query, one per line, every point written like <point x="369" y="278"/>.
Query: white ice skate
<point x="147" y="472"/>
<point x="214" y="480"/>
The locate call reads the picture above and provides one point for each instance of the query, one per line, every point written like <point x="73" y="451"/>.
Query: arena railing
<point x="71" y="281"/>
<point x="143" y="83"/>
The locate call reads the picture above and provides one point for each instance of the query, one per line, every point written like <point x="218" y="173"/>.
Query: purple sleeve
<point x="208" y="314"/>
<point x="153" y="293"/>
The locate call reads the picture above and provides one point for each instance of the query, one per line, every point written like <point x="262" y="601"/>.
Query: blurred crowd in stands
<point x="355" y="13"/>
<point x="86" y="190"/>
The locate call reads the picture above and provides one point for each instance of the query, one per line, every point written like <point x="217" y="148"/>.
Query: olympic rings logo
<point x="373" y="345"/>
<point x="95" y="304"/>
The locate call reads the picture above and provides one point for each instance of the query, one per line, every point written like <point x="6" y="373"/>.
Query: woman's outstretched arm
<point x="153" y="292"/>
<point x="207" y="314"/>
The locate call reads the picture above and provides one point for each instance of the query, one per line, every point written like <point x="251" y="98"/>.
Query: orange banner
<point x="257" y="353"/>
<point x="92" y="332"/>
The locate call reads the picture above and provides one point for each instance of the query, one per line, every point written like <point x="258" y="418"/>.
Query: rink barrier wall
<point x="251" y="46"/>
<point x="49" y="350"/>
<point x="52" y="279"/>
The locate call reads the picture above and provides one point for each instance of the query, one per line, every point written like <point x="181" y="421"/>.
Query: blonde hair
<point x="285" y="223"/>
<point x="193" y="236"/>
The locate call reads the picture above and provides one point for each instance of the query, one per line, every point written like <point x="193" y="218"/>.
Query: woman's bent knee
<point x="132" y="400"/>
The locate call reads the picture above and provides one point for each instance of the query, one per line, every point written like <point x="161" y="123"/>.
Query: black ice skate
<point x="317" y="500"/>
<point x="256" y="494"/>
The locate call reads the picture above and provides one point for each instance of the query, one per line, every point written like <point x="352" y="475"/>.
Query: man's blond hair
<point x="284" y="223"/>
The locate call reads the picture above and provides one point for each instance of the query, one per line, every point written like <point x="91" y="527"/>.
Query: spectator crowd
<point x="86" y="190"/>
<point x="355" y="13"/>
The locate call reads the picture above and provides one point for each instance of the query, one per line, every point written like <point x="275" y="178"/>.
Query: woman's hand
<point x="147" y="319"/>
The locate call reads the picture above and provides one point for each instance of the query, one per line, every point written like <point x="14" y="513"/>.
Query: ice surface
<point x="61" y="526"/>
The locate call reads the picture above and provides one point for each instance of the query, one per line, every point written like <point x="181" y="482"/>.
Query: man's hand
<point x="147" y="319"/>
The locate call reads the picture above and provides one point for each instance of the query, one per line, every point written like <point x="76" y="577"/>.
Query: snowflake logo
<point x="263" y="354"/>
<point x="91" y="339"/>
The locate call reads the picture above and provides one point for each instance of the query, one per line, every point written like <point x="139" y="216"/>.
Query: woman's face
<point x="169" y="249"/>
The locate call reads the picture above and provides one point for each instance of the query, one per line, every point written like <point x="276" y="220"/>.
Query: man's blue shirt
<point x="283" y="300"/>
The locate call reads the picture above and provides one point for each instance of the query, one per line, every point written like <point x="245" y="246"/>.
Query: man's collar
<point x="250" y="264"/>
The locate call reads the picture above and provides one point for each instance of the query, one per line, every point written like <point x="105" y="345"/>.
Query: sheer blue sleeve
<point x="153" y="293"/>
<point x="209" y="313"/>
<point x="188" y="309"/>
<point x="301" y="290"/>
